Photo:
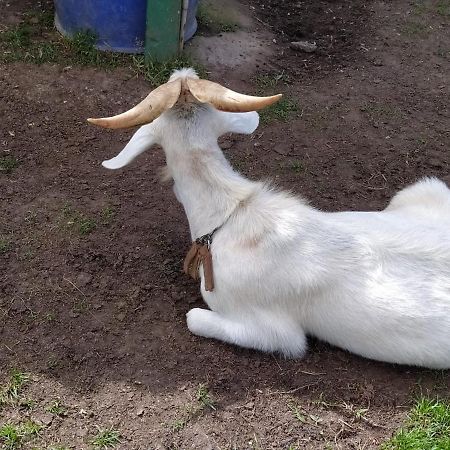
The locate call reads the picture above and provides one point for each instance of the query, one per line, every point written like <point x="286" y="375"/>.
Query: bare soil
<point x="98" y="319"/>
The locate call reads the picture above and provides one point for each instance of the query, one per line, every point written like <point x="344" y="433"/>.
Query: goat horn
<point x="158" y="101"/>
<point x="225" y="99"/>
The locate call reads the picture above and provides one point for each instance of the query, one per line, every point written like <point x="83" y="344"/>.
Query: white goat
<point x="374" y="283"/>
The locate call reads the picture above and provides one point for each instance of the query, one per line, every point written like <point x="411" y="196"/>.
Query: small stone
<point x="18" y="306"/>
<point x="83" y="279"/>
<point x="304" y="46"/>
<point x="82" y="432"/>
<point x="140" y="412"/>
<point x="43" y="419"/>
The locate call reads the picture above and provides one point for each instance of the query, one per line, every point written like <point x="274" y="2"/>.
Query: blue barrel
<point x="191" y="20"/>
<point x="118" y="24"/>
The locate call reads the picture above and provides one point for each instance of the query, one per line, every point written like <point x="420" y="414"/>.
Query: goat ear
<point x="142" y="140"/>
<point x="245" y="123"/>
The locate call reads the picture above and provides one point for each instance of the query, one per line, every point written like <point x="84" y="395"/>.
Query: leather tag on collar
<point x="199" y="254"/>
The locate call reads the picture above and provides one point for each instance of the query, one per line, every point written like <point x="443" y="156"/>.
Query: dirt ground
<point x="92" y="299"/>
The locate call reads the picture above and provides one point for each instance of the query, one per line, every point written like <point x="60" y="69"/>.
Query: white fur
<point x="374" y="283"/>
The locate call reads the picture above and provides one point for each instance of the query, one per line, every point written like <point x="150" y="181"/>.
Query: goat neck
<point x="204" y="182"/>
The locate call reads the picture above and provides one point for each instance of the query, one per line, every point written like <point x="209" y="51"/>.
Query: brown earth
<point x="99" y="318"/>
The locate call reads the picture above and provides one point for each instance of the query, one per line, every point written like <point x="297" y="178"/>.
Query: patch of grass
<point x="77" y="221"/>
<point x="10" y="436"/>
<point x="35" y="40"/>
<point x="106" y="439"/>
<point x="107" y="215"/>
<point x="204" y="400"/>
<point x="28" y="40"/>
<point x="412" y="29"/>
<point x="427" y="428"/>
<point x="10" y="393"/>
<point x="26" y="403"/>
<point x="84" y="53"/>
<point x="443" y="8"/>
<point x="57" y="409"/>
<point x="13" y="436"/>
<point x="282" y="111"/>
<point x="159" y="72"/>
<point x="19" y="36"/>
<point x="179" y="424"/>
<point x="85" y="225"/>
<point x="297" y="166"/>
<point x="269" y="81"/>
<point x="8" y="164"/>
<point x="30" y="428"/>
<point x="303" y="416"/>
<point x="215" y="20"/>
<point x="5" y="245"/>
<point x="443" y="53"/>
<point x="419" y="8"/>
<point x="204" y="397"/>
<point x="81" y="306"/>
<point x="380" y="111"/>
<point x="298" y="414"/>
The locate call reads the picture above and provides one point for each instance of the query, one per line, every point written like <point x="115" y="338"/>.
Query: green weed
<point x="427" y="427"/>
<point x="35" y="40"/>
<point x="8" y="164"/>
<point x="380" y="111"/>
<point x="297" y="413"/>
<point x="284" y="110"/>
<point x="204" y="400"/>
<point x="57" y="409"/>
<point x="204" y="397"/>
<point x="26" y="403"/>
<point x="10" y="436"/>
<point x="77" y="221"/>
<point x="85" y="225"/>
<point x="419" y="8"/>
<point x="297" y="166"/>
<point x="443" y="8"/>
<point x="107" y="215"/>
<point x="106" y="438"/>
<point x="159" y="72"/>
<point x="412" y="29"/>
<point x="5" y="245"/>
<point x="10" y="393"/>
<point x="13" y="436"/>
<point x="269" y="81"/>
<point x="179" y="424"/>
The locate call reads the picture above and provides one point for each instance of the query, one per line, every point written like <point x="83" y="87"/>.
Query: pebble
<point x="83" y="279"/>
<point x="304" y="46"/>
